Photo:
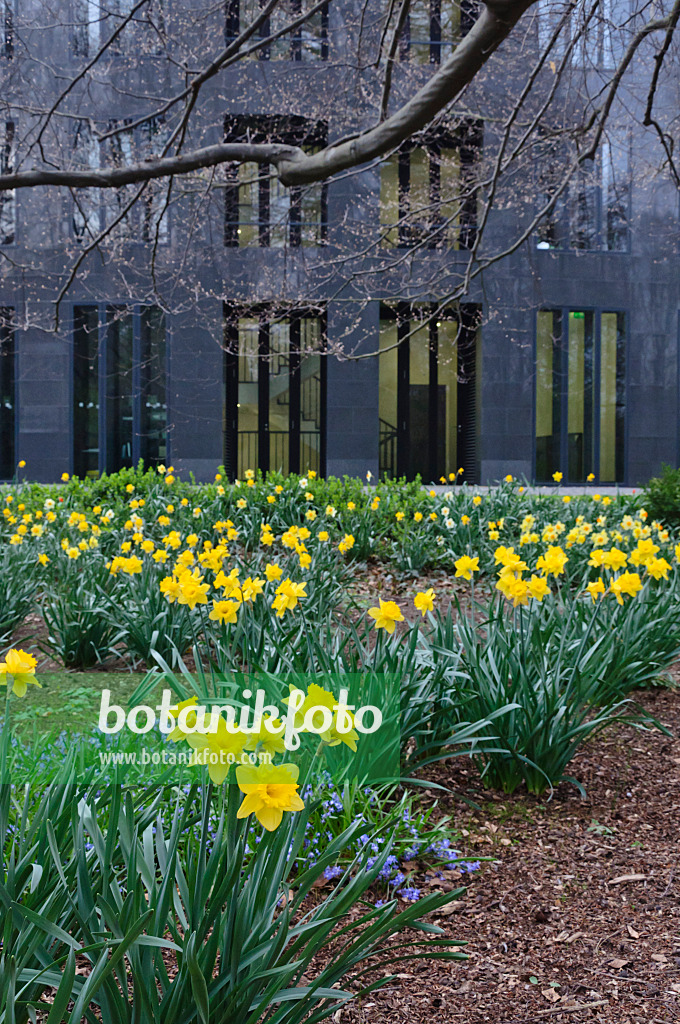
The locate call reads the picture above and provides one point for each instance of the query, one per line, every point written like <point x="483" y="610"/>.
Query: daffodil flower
<point x="269" y="791"/>
<point x="17" y="671"/>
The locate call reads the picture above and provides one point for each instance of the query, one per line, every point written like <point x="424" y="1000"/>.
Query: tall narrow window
<point x="434" y="28"/>
<point x="153" y="417"/>
<point x="152" y="137"/>
<point x="7" y="29"/>
<point x="274" y="400"/>
<point x="8" y="208"/>
<point x="86" y="391"/>
<point x="147" y="219"/>
<point x="7" y="393"/>
<point x="593" y="211"/>
<point x="580" y="395"/>
<point x="612" y="397"/>
<point x="259" y="210"/>
<point x="427" y="192"/>
<point x="306" y="41"/>
<point x="120" y="153"/>
<point x="86" y="201"/>
<point x="428" y="392"/>
<point x="119" y="428"/>
<point x="119" y="388"/>
<point x="87" y="17"/>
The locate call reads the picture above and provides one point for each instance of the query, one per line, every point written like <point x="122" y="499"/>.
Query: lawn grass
<point x="69" y="701"/>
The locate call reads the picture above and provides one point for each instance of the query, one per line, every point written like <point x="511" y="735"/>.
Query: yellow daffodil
<point x="627" y="583"/>
<point x="596" y="589"/>
<point x="269" y="791"/>
<point x="424" y="601"/>
<point x="465" y="566"/>
<point x="538" y="588"/>
<point x="552" y="563"/>
<point x="17" y="671"/>
<point x="386" y="615"/>
<point x="615" y="559"/>
<point x="658" y="568"/>
<point x="224" y="611"/>
<point x="287" y="596"/>
<point x="346" y="544"/>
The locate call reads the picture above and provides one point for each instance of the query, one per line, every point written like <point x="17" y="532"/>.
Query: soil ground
<point x="577" y="917"/>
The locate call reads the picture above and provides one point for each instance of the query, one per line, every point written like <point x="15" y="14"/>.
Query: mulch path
<point x="577" y="918"/>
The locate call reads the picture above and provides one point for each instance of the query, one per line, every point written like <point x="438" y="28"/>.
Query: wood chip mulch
<point x="577" y="918"/>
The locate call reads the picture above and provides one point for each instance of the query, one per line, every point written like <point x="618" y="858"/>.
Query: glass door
<point x="580" y="395"/>
<point x="274" y="394"/>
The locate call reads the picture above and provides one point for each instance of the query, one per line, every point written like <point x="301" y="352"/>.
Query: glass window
<point x="427" y="193"/>
<point x="118" y="388"/>
<point x="143" y="33"/>
<point x="548" y="332"/>
<point x="119" y="358"/>
<point x="308" y="41"/>
<point x="428" y="391"/>
<point x="8" y="208"/>
<point x="248" y="395"/>
<point x="580" y="395"/>
<point x="258" y="209"/>
<point x="86" y="201"/>
<point x="311" y="394"/>
<point x="389" y="200"/>
<point x="151" y="139"/>
<point x="86" y="391"/>
<point x="612" y="397"/>
<point x="87" y="17"/>
<point x="153" y="425"/>
<point x="7" y="29"/>
<point x="419" y="32"/>
<point x="387" y="400"/>
<point x="435" y="27"/>
<point x="279" y="372"/>
<point x="593" y="212"/>
<point x="274" y="401"/>
<point x="7" y="399"/>
<point x="148" y="219"/>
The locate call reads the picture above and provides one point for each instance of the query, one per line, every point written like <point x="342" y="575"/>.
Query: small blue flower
<point x="410" y="893"/>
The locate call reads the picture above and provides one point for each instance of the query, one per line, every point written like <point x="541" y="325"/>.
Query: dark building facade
<point x="561" y="356"/>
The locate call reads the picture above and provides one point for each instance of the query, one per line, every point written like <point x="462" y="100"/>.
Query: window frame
<point x="468" y="12"/>
<point x="135" y="309"/>
<point x="8" y="198"/>
<point x="232" y="29"/>
<point x="232" y="314"/>
<point x="468" y="353"/>
<point x="138" y="226"/>
<point x="561" y="216"/>
<point x="563" y="462"/>
<point x="293" y="131"/>
<point x="468" y="142"/>
<point x="8" y="332"/>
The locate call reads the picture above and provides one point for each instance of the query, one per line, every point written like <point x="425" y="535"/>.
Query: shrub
<point x="662" y="496"/>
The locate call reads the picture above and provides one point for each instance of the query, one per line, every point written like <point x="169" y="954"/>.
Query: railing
<point x="279" y="440"/>
<point x="387" y="457"/>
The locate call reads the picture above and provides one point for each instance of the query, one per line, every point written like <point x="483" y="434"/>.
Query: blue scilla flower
<point x="399" y="878"/>
<point x="410" y="893"/>
<point x="332" y="872"/>
<point x="470" y="865"/>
